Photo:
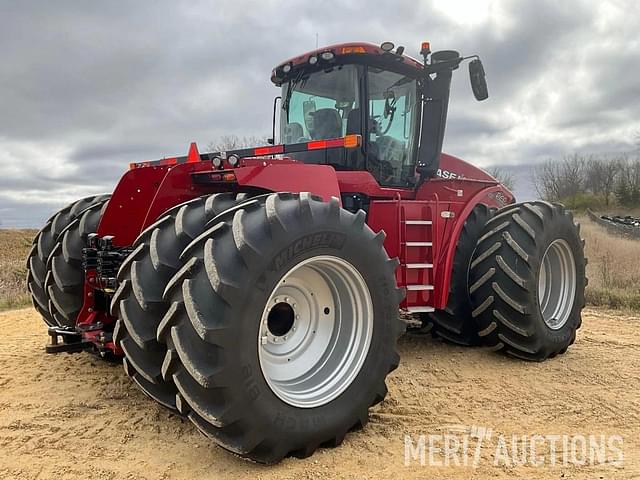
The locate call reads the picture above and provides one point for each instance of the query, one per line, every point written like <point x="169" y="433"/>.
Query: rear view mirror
<point x="478" y="80"/>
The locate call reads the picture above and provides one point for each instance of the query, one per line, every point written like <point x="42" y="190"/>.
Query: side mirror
<point x="478" y="80"/>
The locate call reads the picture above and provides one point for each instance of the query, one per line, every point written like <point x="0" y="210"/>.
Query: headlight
<point x="387" y="46"/>
<point x="233" y="160"/>
<point x="217" y="162"/>
<point x="326" y="56"/>
<point x="313" y="60"/>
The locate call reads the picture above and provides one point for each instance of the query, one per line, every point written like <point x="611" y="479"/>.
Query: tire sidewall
<point x="267" y="410"/>
<point x="564" y="230"/>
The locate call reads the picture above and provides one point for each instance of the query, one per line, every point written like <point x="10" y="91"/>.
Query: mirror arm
<point x="443" y="66"/>
<point x="273" y="120"/>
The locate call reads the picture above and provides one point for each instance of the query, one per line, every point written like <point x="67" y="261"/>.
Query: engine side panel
<point x="455" y="168"/>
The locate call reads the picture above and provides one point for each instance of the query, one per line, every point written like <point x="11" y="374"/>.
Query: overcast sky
<point x="87" y="87"/>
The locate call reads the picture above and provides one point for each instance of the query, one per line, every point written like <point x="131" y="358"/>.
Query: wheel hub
<point x="281" y="319"/>
<point x="315" y="331"/>
<point x="557" y="283"/>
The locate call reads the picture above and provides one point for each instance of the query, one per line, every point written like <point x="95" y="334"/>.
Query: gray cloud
<point x="87" y="87"/>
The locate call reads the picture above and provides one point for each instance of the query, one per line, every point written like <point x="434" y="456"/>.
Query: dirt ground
<point x="76" y="417"/>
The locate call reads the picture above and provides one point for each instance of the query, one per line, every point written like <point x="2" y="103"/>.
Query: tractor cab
<point x="390" y="100"/>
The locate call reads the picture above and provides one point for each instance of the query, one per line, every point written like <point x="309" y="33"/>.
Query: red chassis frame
<point x="149" y="189"/>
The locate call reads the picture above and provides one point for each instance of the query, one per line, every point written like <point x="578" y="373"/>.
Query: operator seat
<point x="326" y="124"/>
<point x="292" y="133"/>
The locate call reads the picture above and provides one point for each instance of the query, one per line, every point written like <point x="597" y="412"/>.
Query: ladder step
<point x="420" y="309"/>
<point x="419" y="287"/>
<point x="418" y="244"/>
<point x="419" y="265"/>
<point x="418" y="222"/>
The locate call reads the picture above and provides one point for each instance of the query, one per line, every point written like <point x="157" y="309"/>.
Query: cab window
<point x="392" y="123"/>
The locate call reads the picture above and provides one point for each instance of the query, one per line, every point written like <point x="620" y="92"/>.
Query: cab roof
<point x="342" y="53"/>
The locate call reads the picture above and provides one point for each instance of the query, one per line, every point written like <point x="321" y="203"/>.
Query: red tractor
<point x="256" y="291"/>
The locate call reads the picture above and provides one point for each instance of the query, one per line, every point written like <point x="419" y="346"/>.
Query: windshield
<point x="317" y="106"/>
<point x="327" y="104"/>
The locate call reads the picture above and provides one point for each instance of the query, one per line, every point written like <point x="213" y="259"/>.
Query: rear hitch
<point x="72" y="341"/>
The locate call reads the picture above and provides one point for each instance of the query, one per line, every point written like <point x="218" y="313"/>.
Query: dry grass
<point x="613" y="269"/>
<point x="14" y="248"/>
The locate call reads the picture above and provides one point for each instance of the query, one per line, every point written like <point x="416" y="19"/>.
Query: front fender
<point x="143" y="194"/>
<point x="292" y="177"/>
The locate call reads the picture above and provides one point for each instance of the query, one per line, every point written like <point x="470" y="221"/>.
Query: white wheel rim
<point x="557" y="283"/>
<point x="315" y="331"/>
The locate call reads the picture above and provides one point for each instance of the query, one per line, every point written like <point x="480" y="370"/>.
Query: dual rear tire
<point x="518" y="282"/>
<point x="527" y="281"/>
<point x="55" y="277"/>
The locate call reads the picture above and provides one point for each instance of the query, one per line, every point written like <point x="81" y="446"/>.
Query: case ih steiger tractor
<point x="257" y="291"/>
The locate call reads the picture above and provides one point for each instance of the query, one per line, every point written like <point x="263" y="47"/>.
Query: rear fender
<point x="495" y="196"/>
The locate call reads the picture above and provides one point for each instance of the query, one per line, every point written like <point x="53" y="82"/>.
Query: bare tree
<point x="561" y="180"/>
<point x="627" y="185"/>
<point x="547" y="180"/>
<point x="600" y="175"/>
<point x="503" y="176"/>
<point x="233" y="142"/>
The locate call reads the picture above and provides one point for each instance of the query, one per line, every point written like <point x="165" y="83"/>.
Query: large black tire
<point x="142" y="278"/>
<point x="218" y="299"/>
<point x="505" y="274"/>
<point x="55" y="277"/>
<point x="455" y="323"/>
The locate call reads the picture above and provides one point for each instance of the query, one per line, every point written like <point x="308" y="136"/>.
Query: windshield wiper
<point x="292" y="84"/>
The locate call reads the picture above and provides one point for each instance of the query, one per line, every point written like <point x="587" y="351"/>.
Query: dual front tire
<point x="280" y="326"/>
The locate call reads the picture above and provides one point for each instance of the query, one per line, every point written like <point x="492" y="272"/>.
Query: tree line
<point x="590" y="180"/>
